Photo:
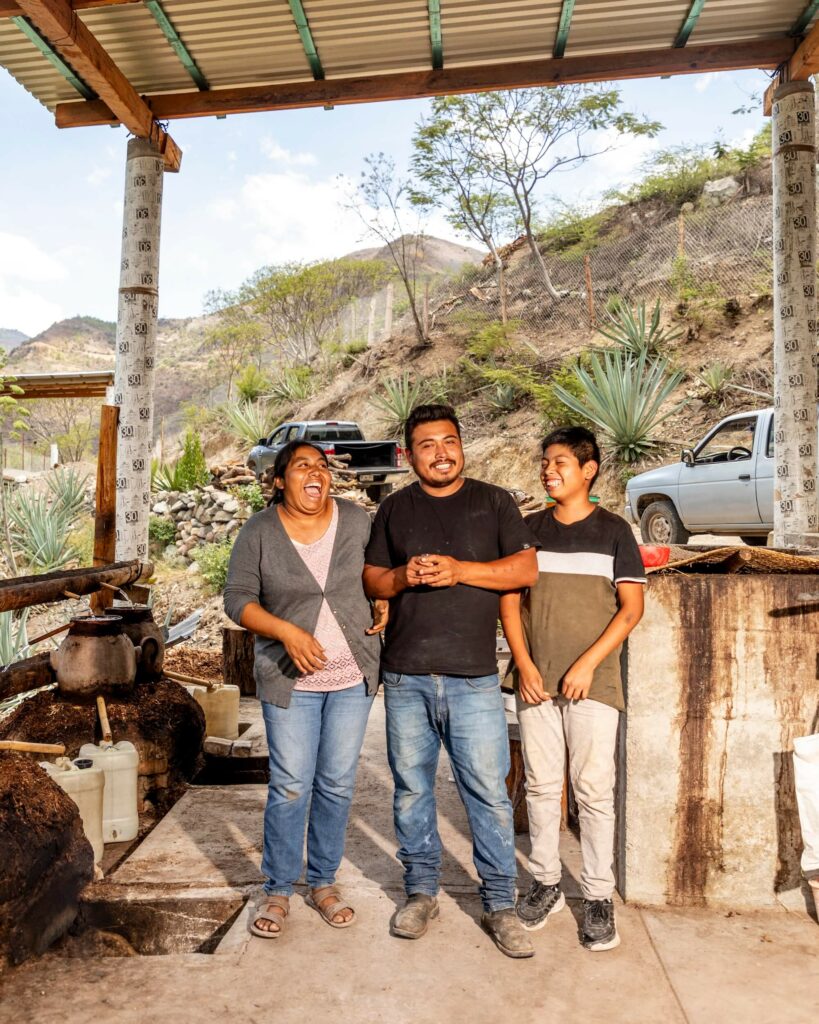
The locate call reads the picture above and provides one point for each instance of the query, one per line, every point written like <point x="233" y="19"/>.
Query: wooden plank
<point x="25" y="675"/>
<point x="11" y="9"/>
<point x="803" y="64"/>
<point x="105" y="504"/>
<point x="692" y="60"/>
<point x="25" y="591"/>
<point x="75" y="43"/>
<point x="238" y="657"/>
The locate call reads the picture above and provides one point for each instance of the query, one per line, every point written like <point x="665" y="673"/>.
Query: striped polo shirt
<point x="575" y="597"/>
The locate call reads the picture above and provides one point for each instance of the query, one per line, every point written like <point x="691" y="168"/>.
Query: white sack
<point x="806" y="775"/>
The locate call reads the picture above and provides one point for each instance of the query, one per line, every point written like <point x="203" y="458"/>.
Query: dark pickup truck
<point x="370" y="463"/>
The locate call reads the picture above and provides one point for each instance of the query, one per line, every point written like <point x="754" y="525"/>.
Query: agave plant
<point x="293" y="385"/>
<point x="715" y="379"/>
<point x="623" y="395"/>
<point x="39" y="532"/>
<point x="397" y="400"/>
<point x="13" y="637"/>
<point x="248" y="421"/>
<point x="631" y="329"/>
<point x="503" y="397"/>
<point x="167" y="476"/>
<point x="67" y="490"/>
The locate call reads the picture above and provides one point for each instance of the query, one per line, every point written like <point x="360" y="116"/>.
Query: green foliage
<point x="293" y="385"/>
<point x="40" y="531"/>
<point x="715" y="380"/>
<point x="251" y="494"/>
<point x="525" y="382"/>
<point x="574" y="231"/>
<point x="161" y="531"/>
<point x="166" y="476"/>
<point x="677" y="175"/>
<point x="213" y="562"/>
<point x="554" y="410"/>
<point x="398" y="398"/>
<point x="622" y="396"/>
<point x="630" y="329"/>
<point x="491" y="340"/>
<point x="700" y="303"/>
<point x="13" y="637"/>
<point x="67" y="489"/>
<point x="251" y="384"/>
<point x="233" y="339"/>
<point x="503" y="398"/>
<point x="249" y="421"/>
<point x="192" y="468"/>
<point x="82" y="540"/>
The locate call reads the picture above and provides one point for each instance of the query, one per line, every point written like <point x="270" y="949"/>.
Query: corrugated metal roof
<point x="255" y="42"/>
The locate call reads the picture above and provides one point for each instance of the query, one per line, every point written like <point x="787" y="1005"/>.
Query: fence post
<point x="589" y="291"/>
<point x="681" y="234"/>
<point x="390" y="299"/>
<point x="371" y="323"/>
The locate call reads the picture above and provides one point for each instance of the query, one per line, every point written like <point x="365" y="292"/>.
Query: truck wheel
<point x="378" y="492"/>
<point x="756" y="541"/>
<point x="660" y="524"/>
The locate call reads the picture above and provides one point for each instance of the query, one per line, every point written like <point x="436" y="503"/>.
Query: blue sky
<point x="253" y="189"/>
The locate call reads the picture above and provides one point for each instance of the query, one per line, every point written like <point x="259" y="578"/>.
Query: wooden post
<point x="389" y="302"/>
<point x="796" y="521"/>
<point x="105" y="504"/>
<point x="135" y="344"/>
<point x="681" y="235"/>
<point x="371" y="323"/>
<point x="589" y="291"/>
<point x="238" y="656"/>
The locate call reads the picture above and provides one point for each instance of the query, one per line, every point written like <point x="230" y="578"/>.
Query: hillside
<point x="437" y="256"/>
<point x="10" y="338"/>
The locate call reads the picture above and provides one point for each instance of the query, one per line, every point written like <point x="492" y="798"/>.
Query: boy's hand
<point x="530" y="685"/>
<point x="381" y="614"/>
<point x="577" y="681"/>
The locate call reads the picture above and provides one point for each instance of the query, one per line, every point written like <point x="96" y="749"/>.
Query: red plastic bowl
<point x="654" y="555"/>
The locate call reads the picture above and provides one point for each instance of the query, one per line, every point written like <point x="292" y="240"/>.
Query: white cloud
<point x="279" y="154"/>
<point x="702" y="82"/>
<point x="23" y="267"/>
<point x="23" y="260"/>
<point x="25" y="310"/>
<point x="224" y="210"/>
<point x="98" y="175"/>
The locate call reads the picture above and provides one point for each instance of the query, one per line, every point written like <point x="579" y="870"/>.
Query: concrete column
<point x="796" y="514"/>
<point x="136" y="341"/>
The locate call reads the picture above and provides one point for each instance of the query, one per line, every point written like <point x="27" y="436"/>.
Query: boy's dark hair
<point x="580" y="441"/>
<point x="283" y="459"/>
<point x="428" y="414"/>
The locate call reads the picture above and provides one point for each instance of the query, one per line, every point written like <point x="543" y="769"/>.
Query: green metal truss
<point x="307" y="41"/>
<point x="48" y="51"/>
<point x="689" y="24"/>
<point x="563" y="27"/>
<point x="435" y="40"/>
<point x="179" y="48"/>
<point x="804" y="19"/>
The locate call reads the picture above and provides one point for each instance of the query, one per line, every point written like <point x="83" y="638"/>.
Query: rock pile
<point x="206" y="515"/>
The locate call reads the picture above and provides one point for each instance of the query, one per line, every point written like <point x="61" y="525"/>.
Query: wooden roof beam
<point x="12" y="9"/>
<point x="69" y="36"/>
<point x="800" y="66"/>
<point x="693" y="60"/>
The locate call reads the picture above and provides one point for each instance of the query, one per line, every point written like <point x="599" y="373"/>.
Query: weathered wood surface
<point x="237" y="660"/>
<point x="25" y="591"/>
<point x="105" y="505"/>
<point x="29" y="674"/>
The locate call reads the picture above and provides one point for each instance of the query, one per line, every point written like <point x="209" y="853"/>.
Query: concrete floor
<point x="697" y="966"/>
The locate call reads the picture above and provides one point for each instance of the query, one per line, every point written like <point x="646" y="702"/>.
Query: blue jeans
<point x="466" y="715"/>
<point x="314" y="746"/>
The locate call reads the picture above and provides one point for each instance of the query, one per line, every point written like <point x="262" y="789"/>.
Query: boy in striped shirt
<point x="566" y="634"/>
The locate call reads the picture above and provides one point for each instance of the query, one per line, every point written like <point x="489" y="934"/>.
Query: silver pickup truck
<point x="724" y="485"/>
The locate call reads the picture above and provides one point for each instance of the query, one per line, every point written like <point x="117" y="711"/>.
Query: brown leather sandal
<point x="263" y="912"/>
<point x="316" y="898"/>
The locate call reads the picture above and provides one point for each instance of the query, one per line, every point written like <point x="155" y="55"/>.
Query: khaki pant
<point x="587" y="730"/>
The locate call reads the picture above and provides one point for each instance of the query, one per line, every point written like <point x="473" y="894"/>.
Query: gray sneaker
<point x="505" y="929"/>
<point x="412" y="920"/>
<point x="538" y="904"/>
<point x="599" y="928"/>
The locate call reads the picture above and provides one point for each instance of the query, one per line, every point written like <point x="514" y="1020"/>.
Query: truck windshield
<point x="731" y="443"/>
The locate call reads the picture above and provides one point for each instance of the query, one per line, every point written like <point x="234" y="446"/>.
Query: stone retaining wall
<point x="206" y="515"/>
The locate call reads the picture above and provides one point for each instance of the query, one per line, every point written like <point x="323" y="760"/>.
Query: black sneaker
<point x="599" y="929"/>
<point x="542" y="900"/>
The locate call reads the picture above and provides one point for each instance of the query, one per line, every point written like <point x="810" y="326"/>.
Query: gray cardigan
<point x="267" y="569"/>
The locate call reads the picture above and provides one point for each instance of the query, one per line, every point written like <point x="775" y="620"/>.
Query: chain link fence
<point x="703" y="258"/>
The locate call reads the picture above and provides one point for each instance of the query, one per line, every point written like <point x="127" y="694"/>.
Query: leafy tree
<point x="69" y="423"/>
<point x="519" y="138"/>
<point x="452" y="176"/>
<point x="301" y="303"/>
<point x="383" y="203"/>
<point x="235" y="338"/>
<point x="251" y="383"/>
<point x="192" y="467"/>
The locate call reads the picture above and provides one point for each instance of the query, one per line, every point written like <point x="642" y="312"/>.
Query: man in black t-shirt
<point x="442" y="550"/>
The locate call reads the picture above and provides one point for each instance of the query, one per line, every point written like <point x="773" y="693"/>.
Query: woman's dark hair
<point x="429" y="414"/>
<point x="580" y="441"/>
<point x="283" y="460"/>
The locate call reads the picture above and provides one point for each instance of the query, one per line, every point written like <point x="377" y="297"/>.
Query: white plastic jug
<point x="85" y="787"/>
<point x="119" y="762"/>
<point x="221" y="707"/>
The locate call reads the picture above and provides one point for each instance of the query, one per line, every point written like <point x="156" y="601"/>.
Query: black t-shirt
<point x="448" y="630"/>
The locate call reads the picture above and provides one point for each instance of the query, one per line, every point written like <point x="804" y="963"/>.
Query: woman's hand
<point x="305" y="651"/>
<point x="530" y="684"/>
<point x="381" y="614"/>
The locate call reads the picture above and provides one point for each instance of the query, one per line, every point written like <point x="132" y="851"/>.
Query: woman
<point x="295" y="581"/>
